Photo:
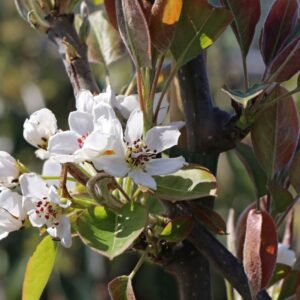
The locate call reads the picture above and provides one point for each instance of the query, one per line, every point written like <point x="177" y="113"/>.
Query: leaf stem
<point x="140" y="89"/>
<point x="57" y="178"/>
<point x="138" y="265"/>
<point x="131" y="86"/>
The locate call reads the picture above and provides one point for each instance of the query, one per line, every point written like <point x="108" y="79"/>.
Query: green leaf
<point x="244" y="97"/>
<point x="290" y="285"/>
<point x="192" y="182"/>
<point x="198" y="28"/>
<point x="120" y="288"/>
<point x="281" y="271"/>
<point x="257" y="174"/>
<point x="98" y="2"/>
<point x="282" y="198"/>
<point x="154" y="205"/>
<point x="39" y="269"/>
<point x="294" y="172"/>
<point x="109" y="233"/>
<point x="178" y="229"/>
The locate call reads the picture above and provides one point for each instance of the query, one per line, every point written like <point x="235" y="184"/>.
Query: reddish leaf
<point x="110" y="8"/>
<point x="134" y="31"/>
<point x="279" y="25"/>
<point x="260" y="249"/>
<point x="164" y="17"/>
<point x="275" y="133"/>
<point x="210" y="218"/>
<point x="120" y="288"/>
<point x="294" y="172"/>
<point x="246" y="15"/>
<point x="199" y="26"/>
<point x="285" y="64"/>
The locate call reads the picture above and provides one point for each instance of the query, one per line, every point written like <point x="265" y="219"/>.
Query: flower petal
<point x="163" y="110"/>
<point x="113" y="165"/>
<point x="164" y="166"/>
<point x="85" y="101"/>
<point x="127" y="104"/>
<point x="12" y="202"/>
<point x="135" y="127"/>
<point x="81" y="123"/>
<point x="160" y="138"/>
<point x="62" y="231"/>
<point x="37" y="221"/>
<point x="142" y="178"/>
<point x="33" y="186"/>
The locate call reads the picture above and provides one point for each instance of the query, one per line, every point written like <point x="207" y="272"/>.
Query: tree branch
<point x="72" y="51"/>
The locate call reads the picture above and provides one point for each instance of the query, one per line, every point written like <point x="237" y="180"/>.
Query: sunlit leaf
<point x="260" y="249"/>
<point x="274" y="134"/>
<point x="164" y="17"/>
<point x="246" y="15"/>
<point x="279" y="25"/>
<point x="109" y="233"/>
<point x="198" y="28"/>
<point x="39" y="269"/>
<point x="177" y="229"/>
<point x="192" y="182"/>
<point x="120" y="288"/>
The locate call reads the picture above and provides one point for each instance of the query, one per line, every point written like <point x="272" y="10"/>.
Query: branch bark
<point x="72" y="51"/>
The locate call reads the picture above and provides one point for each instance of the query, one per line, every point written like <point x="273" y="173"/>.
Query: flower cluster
<point x="96" y="136"/>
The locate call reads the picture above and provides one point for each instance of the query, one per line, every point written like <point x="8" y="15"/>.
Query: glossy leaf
<point x="244" y="97"/>
<point x="192" y="182"/>
<point x="164" y="17"/>
<point x="198" y="28"/>
<point x="260" y="249"/>
<point x="282" y="198"/>
<point x="134" y="31"/>
<point x="255" y="171"/>
<point x="275" y="133"/>
<point x="285" y="64"/>
<point x="279" y="25"/>
<point x="294" y="172"/>
<point x="111" y="234"/>
<point x="178" y="229"/>
<point x="120" y="288"/>
<point x="209" y="218"/>
<point x="246" y="15"/>
<point x="39" y="269"/>
<point x="281" y="271"/>
<point x="290" y="285"/>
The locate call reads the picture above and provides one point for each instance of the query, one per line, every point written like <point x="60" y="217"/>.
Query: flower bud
<point x="9" y="171"/>
<point x="39" y="128"/>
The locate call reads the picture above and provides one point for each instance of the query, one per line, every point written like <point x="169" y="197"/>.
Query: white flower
<point x="68" y="146"/>
<point x="127" y="104"/>
<point x="138" y="156"/>
<point x="285" y="255"/>
<point x="12" y="213"/>
<point x="9" y="171"/>
<point x="38" y="129"/>
<point x="85" y="101"/>
<point x="44" y="208"/>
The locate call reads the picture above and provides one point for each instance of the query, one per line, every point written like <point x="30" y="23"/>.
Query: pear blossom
<point x="9" y="171"/>
<point x="44" y="208"/>
<point x="40" y="126"/>
<point x="137" y="155"/>
<point x="68" y="146"/>
<point x="12" y="214"/>
<point x="285" y="255"/>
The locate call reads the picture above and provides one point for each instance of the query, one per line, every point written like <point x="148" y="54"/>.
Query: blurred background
<point x="31" y="77"/>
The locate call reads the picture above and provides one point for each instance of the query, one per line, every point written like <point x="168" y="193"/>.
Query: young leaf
<point x="246" y="15"/>
<point x="260" y="249"/>
<point x="282" y="198"/>
<point x="244" y="97"/>
<point x="281" y="271"/>
<point x="255" y="171"/>
<point x="210" y="218"/>
<point x="285" y="64"/>
<point x="111" y="234"/>
<point x="39" y="269"/>
<point x="279" y="25"/>
<point x="294" y="172"/>
<point x="178" y="229"/>
<point x="164" y="17"/>
<point x="290" y="285"/>
<point x="198" y="28"/>
<point x="275" y="133"/>
<point x="134" y="31"/>
<point x="120" y="288"/>
<point x="190" y="183"/>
